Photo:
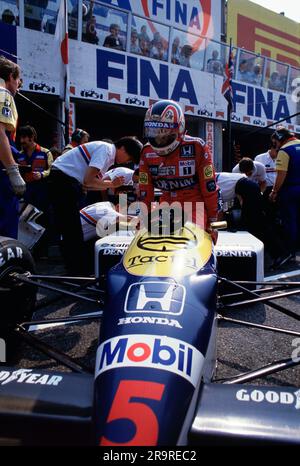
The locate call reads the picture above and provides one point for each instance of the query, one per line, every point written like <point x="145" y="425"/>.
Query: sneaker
<point x="279" y="261"/>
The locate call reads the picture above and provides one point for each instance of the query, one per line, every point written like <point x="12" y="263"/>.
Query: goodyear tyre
<point x="17" y="298"/>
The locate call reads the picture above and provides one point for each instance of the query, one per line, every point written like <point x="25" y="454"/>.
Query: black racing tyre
<point x="17" y="298"/>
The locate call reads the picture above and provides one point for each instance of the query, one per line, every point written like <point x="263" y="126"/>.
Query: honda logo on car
<point x="270" y="396"/>
<point x="153" y="352"/>
<point x="155" y="297"/>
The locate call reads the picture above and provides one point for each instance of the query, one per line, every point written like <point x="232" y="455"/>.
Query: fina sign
<point x="201" y="17"/>
<point x="151" y="79"/>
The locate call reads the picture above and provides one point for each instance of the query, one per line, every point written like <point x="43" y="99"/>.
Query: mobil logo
<point x="152" y="352"/>
<point x="155" y="297"/>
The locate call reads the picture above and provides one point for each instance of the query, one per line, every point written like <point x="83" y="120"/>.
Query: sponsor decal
<point x="10" y="253"/>
<point x="160" y="124"/>
<point x="208" y="171"/>
<point x="152" y="352"/>
<point x="210" y="138"/>
<point x="269" y="396"/>
<point x="143" y="178"/>
<point x="113" y="252"/>
<point x="211" y="186"/>
<point x="151" y="155"/>
<point x="162" y="259"/>
<point x="186" y="240"/>
<point x="155" y="297"/>
<point x="153" y="169"/>
<point x="187" y="150"/>
<point x="114" y="245"/>
<point x="187" y="167"/>
<point x="6" y="112"/>
<point x="149" y="320"/>
<point x="7" y="103"/>
<point x="175" y="183"/>
<point x="178" y="255"/>
<point x="232" y="253"/>
<point x="30" y="377"/>
<point x="167" y="171"/>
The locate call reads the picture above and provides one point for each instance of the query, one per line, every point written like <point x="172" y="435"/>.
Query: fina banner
<point x="201" y="17"/>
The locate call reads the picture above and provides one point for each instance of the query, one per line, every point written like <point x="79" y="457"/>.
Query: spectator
<point x="39" y="160"/>
<point x="158" y="52"/>
<point x="91" y="35"/>
<point x="8" y="17"/>
<point x="144" y="35"/>
<point x="84" y="166"/>
<point x="79" y="136"/>
<point x="214" y="64"/>
<point x="134" y="45"/>
<point x="34" y="11"/>
<point x="87" y="12"/>
<point x="185" y="55"/>
<point x="113" y="40"/>
<point x="11" y="183"/>
<point x="257" y="76"/>
<point x="275" y="82"/>
<point x="255" y="171"/>
<point x="242" y="71"/>
<point x="175" y="53"/>
<point x="145" y="47"/>
<point x="157" y="49"/>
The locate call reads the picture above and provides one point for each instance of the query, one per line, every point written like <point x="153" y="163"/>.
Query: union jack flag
<point x="227" y="84"/>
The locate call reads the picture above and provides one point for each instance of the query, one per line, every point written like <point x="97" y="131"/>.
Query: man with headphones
<point x="287" y="186"/>
<point x="79" y="136"/>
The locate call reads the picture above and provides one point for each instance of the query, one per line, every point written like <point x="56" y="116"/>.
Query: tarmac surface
<point x="239" y="349"/>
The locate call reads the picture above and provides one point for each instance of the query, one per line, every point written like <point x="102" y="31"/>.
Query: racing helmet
<point x="164" y="126"/>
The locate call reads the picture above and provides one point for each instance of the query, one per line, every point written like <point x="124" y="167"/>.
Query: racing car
<point x="161" y="296"/>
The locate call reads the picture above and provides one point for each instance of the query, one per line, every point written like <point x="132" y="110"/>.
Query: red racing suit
<point x="185" y="175"/>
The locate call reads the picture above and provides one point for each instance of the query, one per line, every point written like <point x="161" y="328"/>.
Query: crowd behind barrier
<point x="108" y="27"/>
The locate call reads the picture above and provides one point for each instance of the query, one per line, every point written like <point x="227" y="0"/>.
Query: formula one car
<point x="160" y="297"/>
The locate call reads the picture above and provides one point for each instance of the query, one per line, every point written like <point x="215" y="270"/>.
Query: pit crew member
<point x="11" y="182"/>
<point x="255" y="171"/>
<point x="84" y="166"/>
<point x="287" y="186"/>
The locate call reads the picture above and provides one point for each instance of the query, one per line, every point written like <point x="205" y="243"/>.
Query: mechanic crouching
<point x="84" y="167"/>
<point x="180" y="166"/>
